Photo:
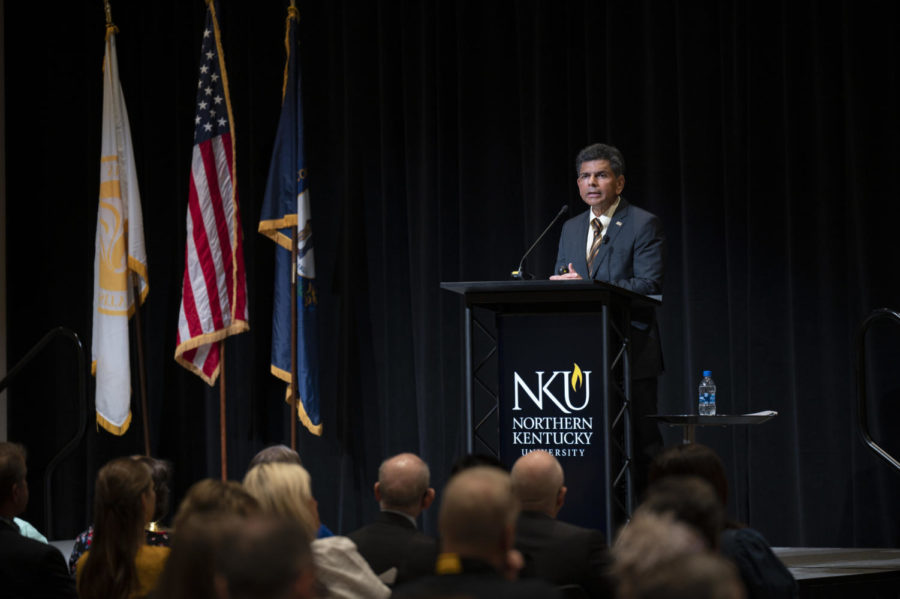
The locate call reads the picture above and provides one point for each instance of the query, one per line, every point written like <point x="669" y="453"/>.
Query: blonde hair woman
<point x="284" y="490"/>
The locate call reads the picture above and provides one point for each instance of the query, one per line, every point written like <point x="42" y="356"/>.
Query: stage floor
<point x="825" y="572"/>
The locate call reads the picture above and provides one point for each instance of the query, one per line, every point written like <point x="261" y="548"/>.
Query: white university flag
<point x="119" y="251"/>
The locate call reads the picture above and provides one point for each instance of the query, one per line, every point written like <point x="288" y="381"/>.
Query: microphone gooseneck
<point x="518" y="274"/>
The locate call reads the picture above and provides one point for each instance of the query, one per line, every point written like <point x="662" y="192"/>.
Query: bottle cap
<point x="707" y="373"/>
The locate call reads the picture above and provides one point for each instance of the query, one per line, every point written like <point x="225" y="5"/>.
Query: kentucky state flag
<point x="285" y="206"/>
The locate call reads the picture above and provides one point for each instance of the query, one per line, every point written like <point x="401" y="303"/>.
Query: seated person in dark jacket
<point x="28" y="568"/>
<point x="393" y="541"/>
<point x="477" y="524"/>
<point x="556" y="551"/>
<point x="761" y="571"/>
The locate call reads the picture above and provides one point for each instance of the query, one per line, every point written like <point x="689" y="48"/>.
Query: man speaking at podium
<point x="620" y="244"/>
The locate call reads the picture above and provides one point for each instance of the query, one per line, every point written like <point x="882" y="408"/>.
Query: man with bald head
<point x="477" y="560"/>
<point x="393" y="541"/>
<point x="556" y="551"/>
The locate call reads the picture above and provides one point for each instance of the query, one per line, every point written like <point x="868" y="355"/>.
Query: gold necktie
<point x="597" y="226"/>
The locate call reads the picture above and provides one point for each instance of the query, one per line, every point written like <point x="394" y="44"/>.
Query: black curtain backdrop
<point x="441" y="138"/>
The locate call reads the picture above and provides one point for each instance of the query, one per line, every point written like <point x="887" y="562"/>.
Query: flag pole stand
<point x="292" y="418"/>
<point x="223" y="445"/>
<point x="142" y="369"/>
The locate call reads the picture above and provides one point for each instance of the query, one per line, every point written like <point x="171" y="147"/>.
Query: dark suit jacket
<point x="478" y="580"/>
<point x="764" y="576"/>
<point x="29" y="568"/>
<point x="563" y="553"/>
<point x="393" y="542"/>
<point x="631" y="257"/>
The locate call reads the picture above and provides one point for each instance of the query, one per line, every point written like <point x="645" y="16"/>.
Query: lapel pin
<point x="618" y="223"/>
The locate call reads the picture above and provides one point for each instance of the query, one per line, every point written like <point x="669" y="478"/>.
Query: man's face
<point x="21" y="494"/>
<point x="598" y="185"/>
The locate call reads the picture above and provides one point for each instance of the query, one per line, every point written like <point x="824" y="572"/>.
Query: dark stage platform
<point x="826" y="573"/>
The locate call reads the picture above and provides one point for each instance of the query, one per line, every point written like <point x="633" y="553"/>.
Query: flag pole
<point x="294" y="235"/>
<point x="142" y="370"/>
<point x="138" y="329"/>
<point x="294" y="388"/>
<point x="223" y="445"/>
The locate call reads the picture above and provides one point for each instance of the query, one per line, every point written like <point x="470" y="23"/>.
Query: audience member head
<point x="13" y="480"/>
<point x="478" y="514"/>
<point x="691" y="576"/>
<point x="284" y="491"/>
<point x="267" y="559"/>
<point x="471" y="460"/>
<point x="647" y="541"/>
<point x="213" y="496"/>
<point x="692" y="459"/>
<point x="272" y="454"/>
<point x="208" y="511"/>
<point x="403" y="485"/>
<point x="124" y="501"/>
<point x="161" y="471"/>
<point x="190" y="571"/>
<point x="537" y="480"/>
<point x="690" y="500"/>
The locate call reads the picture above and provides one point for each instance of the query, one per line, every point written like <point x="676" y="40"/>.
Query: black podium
<point x="548" y="367"/>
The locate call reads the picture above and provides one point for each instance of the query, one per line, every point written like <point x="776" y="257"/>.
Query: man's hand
<point x="569" y="276"/>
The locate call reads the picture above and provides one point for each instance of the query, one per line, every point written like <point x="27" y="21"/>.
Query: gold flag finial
<point x="293" y="13"/>
<point x="110" y="26"/>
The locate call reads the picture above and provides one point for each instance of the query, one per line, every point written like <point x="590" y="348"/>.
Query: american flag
<point x="214" y="292"/>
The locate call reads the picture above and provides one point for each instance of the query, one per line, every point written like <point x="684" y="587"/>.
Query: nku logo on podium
<point x="563" y="433"/>
<point x="571" y="384"/>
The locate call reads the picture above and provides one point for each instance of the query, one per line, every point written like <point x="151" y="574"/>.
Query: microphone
<point x="519" y="273"/>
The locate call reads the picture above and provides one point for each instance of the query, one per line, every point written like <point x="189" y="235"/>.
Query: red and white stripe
<point x="214" y="292"/>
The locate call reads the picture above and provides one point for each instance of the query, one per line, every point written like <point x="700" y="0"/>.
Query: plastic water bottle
<point x="707" y="394"/>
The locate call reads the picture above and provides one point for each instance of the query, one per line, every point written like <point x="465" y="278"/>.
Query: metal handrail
<point x="82" y="409"/>
<point x="877" y="315"/>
